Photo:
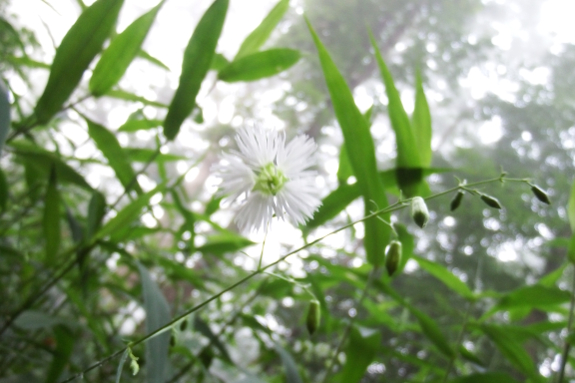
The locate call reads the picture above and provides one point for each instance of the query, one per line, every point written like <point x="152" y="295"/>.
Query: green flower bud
<point x="540" y="194"/>
<point x="313" y="317"/>
<point x="491" y="201"/>
<point x="456" y="201"/>
<point x="184" y="325"/>
<point x="393" y="257"/>
<point x="419" y="211"/>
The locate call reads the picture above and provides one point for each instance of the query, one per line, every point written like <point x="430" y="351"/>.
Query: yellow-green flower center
<point x="270" y="180"/>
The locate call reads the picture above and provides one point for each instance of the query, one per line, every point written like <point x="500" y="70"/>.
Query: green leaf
<point x="361" y="151"/>
<point x="292" y="373"/>
<point x="120" y="53"/>
<point x="445" y="276"/>
<point x="144" y="155"/>
<point x="225" y="242"/>
<point x="27" y="61"/>
<point x="551" y="278"/>
<point x="148" y="57"/>
<point x="35" y="320"/>
<point x="135" y="125"/>
<point x="64" y="347"/>
<point x="121" y="365"/>
<point x="535" y="296"/>
<point x="219" y="62"/>
<point x="259" y="65"/>
<point x="360" y="351"/>
<point x="263" y="31"/>
<point x="197" y="60"/>
<point x="78" y="48"/>
<point x="344" y="171"/>
<point x="96" y="212"/>
<point x="51" y="218"/>
<point x="4" y="114"/>
<point x="157" y="315"/>
<point x="203" y="328"/>
<point x="117" y="158"/>
<point x="127" y="96"/>
<point x="571" y="249"/>
<point x="42" y="161"/>
<point x="421" y="122"/>
<point x="571" y="208"/>
<point x="487" y="377"/>
<point x="3" y="191"/>
<point x="116" y="227"/>
<point x="510" y="348"/>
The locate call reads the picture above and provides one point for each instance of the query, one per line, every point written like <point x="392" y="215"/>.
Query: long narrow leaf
<point x="157" y="315"/>
<point x="361" y="151"/>
<point x="122" y="50"/>
<point x="117" y="158"/>
<point x="259" y="65"/>
<point x="445" y="276"/>
<point x="259" y="35"/>
<point x="78" y="48"/>
<point x="361" y="349"/>
<point x="292" y="374"/>
<point x="4" y="114"/>
<point x="197" y="60"/>
<point x="421" y="122"/>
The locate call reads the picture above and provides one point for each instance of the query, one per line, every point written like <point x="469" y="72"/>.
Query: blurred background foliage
<point x="110" y="225"/>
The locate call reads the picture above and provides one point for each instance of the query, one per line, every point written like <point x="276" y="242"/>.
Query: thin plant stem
<point x="393" y="207"/>
<point x="347" y="330"/>
<point x="263" y="246"/>
<point x="567" y="346"/>
<point x="458" y="342"/>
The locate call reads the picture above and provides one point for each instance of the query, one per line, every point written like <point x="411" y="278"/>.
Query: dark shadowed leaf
<point x="64" y="345"/>
<point x="292" y="374"/>
<point x="361" y="151"/>
<point x="224" y="242"/>
<point x="122" y="50"/>
<point x="96" y="212"/>
<point x="51" y="218"/>
<point x="117" y="158"/>
<point x="535" y="296"/>
<point x="4" y="114"/>
<point x="258" y="37"/>
<point x="78" y="48"/>
<point x="157" y="315"/>
<point x="203" y="328"/>
<point x="488" y="377"/>
<point x="197" y="60"/>
<point x="259" y="65"/>
<point x="511" y="348"/>
<point x="360" y="351"/>
<point x="3" y="191"/>
<point x="432" y="331"/>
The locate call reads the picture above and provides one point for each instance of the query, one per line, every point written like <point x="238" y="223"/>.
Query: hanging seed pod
<point x="313" y="318"/>
<point x="540" y="194"/>
<point x="172" y="340"/>
<point x="393" y="257"/>
<point x="491" y="201"/>
<point x="456" y="201"/>
<point x="419" y="211"/>
<point x="184" y="325"/>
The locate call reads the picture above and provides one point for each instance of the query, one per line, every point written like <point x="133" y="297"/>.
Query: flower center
<point x="270" y="180"/>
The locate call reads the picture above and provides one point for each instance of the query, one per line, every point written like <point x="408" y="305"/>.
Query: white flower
<point x="273" y="176"/>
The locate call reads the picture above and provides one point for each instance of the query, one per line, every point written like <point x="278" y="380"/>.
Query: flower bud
<point x="393" y="257"/>
<point x="419" y="211"/>
<point x="491" y="201"/>
<point x="456" y="201"/>
<point x="540" y="194"/>
<point x="313" y="317"/>
<point x="184" y="325"/>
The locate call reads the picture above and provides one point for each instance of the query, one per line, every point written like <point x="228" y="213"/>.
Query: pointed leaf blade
<point x="78" y="48"/>
<point x="421" y="122"/>
<point x="51" y="218"/>
<point x="259" y="65"/>
<point x="4" y="114"/>
<point x="122" y="50"/>
<point x="197" y="60"/>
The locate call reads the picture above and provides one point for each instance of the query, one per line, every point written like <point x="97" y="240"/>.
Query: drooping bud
<point x="540" y="194"/>
<point x="456" y="201"/>
<point x="393" y="257"/>
<point x="491" y="201"/>
<point x="419" y="211"/>
<point x="184" y="325"/>
<point x="313" y="318"/>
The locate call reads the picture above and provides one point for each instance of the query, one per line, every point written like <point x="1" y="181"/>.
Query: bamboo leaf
<point x="361" y="349"/>
<point x="3" y="191"/>
<point x="571" y="208"/>
<point x="148" y="57"/>
<point x="361" y="151"/>
<point x="78" y="48"/>
<point x="445" y="276"/>
<point x="259" y="65"/>
<point x="292" y="374"/>
<point x="197" y="60"/>
<point x="127" y="96"/>
<point x="157" y="315"/>
<point x="511" y="348"/>
<point x="64" y="346"/>
<point x="4" y="114"/>
<point x="51" y="218"/>
<point x="96" y="212"/>
<point x="135" y="125"/>
<point x="259" y="35"/>
<point x="117" y="158"/>
<point x="432" y="331"/>
<point x="122" y="50"/>
<point x="421" y="122"/>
